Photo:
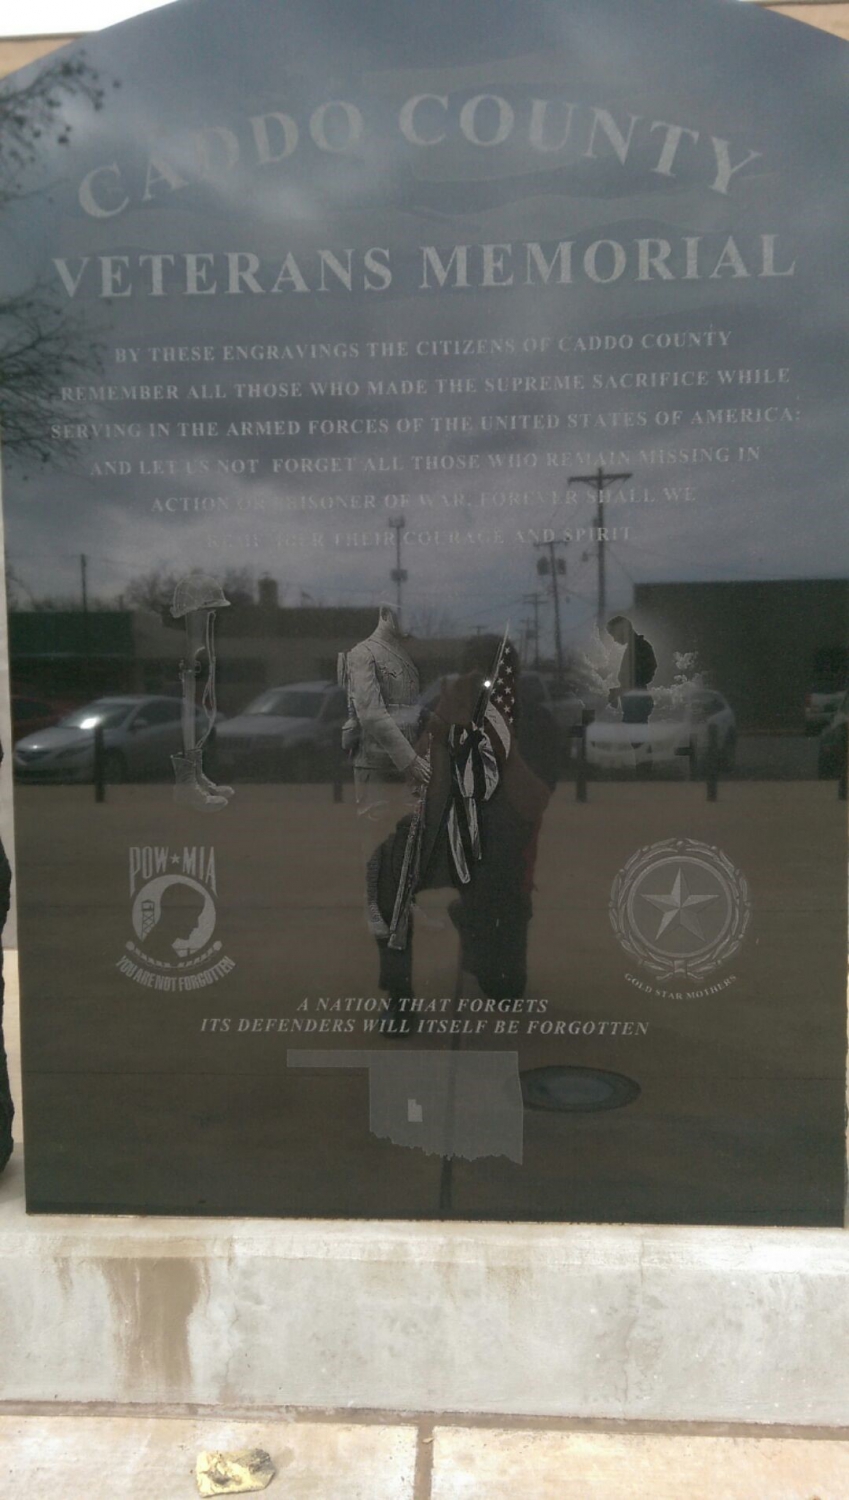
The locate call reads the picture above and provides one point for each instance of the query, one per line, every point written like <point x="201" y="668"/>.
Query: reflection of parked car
<point x="828" y="683"/>
<point x="833" y="745"/>
<point x="291" y="732"/>
<point x="30" y="713"/>
<point x="139" y="735"/>
<point x="565" y="705"/>
<point x="615" y="744"/>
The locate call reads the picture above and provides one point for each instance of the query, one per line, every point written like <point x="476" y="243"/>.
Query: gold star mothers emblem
<point x="680" y="908"/>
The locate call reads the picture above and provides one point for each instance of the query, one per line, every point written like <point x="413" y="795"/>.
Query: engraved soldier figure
<point x="382" y="685"/>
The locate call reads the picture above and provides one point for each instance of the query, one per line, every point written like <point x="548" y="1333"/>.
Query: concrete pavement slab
<point x="122" y="1458"/>
<point x="481" y="1464"/>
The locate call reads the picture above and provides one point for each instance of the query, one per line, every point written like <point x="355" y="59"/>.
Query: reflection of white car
<point x="614" y="744"/>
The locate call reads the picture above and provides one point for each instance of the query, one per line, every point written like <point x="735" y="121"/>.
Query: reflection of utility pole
<point x="524" y="641"/>
<point x="599" y="481"/>
<point x="399" y="574"/>
<point x="534" y="600"/>
<point x="556" y="566"/>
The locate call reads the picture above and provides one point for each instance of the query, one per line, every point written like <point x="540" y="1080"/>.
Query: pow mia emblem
<point x="173" y="895"/>
<point x="680" y="908"/>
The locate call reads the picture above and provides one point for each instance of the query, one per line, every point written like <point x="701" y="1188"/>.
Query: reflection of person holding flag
<point x="493" y="766"/>
<point x="470" y="771"/>
<point x="503" y="776"/>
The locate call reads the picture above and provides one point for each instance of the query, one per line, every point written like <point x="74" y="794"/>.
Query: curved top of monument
<point x="302" y="177"/>
<point x="280" y="109"/>
<point x="717" y="66"/>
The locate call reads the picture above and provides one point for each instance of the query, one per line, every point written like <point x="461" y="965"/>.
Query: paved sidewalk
<point x="121" y="1457"/>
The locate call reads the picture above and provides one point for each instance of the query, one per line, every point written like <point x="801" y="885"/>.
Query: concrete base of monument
<point x="629" y="1323"/>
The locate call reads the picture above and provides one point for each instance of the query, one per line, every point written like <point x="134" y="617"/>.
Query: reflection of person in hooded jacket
<point x="636" y="670"/>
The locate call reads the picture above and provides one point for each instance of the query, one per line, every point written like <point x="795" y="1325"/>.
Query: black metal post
<point x="712" y="765"/>
<point x="587" y="717"/>
<point x="99" y="765"/>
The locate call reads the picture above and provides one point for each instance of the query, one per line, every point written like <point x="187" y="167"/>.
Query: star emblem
<point x="669" y="927"/>
<point x="680" y="906"/>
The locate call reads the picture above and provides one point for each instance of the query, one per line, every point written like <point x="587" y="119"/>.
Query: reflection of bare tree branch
<point x="33" y="115"/>
<point x="429" y="621"/>
<point x="16" y="587"/>
<point x="42" y="346"/>
<point x="41" y="349"/>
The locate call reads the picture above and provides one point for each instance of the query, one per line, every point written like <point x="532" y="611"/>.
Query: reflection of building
<point x="759" y="643"/>
<point x="71" y="656"/>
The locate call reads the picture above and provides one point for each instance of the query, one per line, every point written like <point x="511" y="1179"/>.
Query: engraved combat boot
<point x="212" y="786"/>
<point x="189" y="786"/>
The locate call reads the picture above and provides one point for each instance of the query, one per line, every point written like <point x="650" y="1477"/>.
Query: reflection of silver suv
<point x="827" y="685"/>
<point x="139" y="736"/>
<point x="820" y="709"/>
<point x="832" y="749"/>
<point x="293" y="732"/>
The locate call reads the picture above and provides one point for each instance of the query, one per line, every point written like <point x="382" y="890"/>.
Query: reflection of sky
<point x="753" y="79"/>
<point x="63" y="18"/>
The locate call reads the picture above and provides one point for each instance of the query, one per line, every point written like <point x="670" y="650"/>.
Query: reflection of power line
<point x="599" y="481"/>
<point x="534" y="599"/>
<point x="525" y="634"/>
<point x="556" y="566"/>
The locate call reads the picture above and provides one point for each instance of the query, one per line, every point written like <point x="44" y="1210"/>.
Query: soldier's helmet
<point x="197" y="591"/>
